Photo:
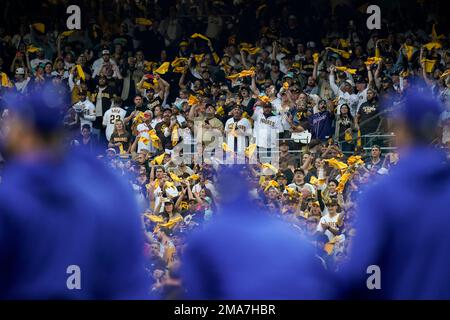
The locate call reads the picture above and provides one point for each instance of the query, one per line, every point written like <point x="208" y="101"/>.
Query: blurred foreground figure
<point x="246" y="254"/>
<point x="404" y="218"/>
<point x="60" y="209"/>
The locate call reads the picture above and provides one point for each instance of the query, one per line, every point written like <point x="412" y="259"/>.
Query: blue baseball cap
<point x="419" y="111"/>
<point x="43" y="108"/>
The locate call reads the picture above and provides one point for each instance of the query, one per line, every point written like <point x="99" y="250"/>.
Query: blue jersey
<point x="403" y="228"/>
<point x="321" y="124"/>
<point x="55" y="213"/>
<point x="246" y="254"/>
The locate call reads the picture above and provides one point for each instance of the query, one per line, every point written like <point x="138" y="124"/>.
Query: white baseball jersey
<point x="266" y="129"/>
<point x="87" y="116"/>
<point x="110" y="117"/>
<point x="243" y="131"/>
<point x="329" y="220"/>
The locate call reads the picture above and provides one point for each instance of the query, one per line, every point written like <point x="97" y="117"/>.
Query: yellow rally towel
<point x="272" y="183"/>
<point x="249" y="48"/>
<point x="159" y="159"/>
<point x="121" y="149"/>
<point x="336" y="164"/>
<point x="143" y="22"/>
<point x="154" y="218"/>
<point x="226" y="148"/>
<point x="5" y="81"/>
<point x="264" y="99"/>
<point x="175" y="137"/>
<point x="291" y="192"/>
<point x="171" y="223"/>
<point x="345" y="69"/>
<point x="354" y="160"/>
<point x="342" y="53"/>
<point x="359" y="140"/>
<point x="147" y="85"/>
<point x="269" y="166"/>
<point x="169" y="185"/>
<point x="220" y="111"/>
<point x="178" y="70"/>
<point x="199" y="35"/>
<point x="39" y="27"/>
<point x="178" y="61"/>
<point x="194" y="177"/>
<point x="163" y="68"/>
<point x="429" y="64"/>
<point x="174" y="177"/>
<point x="285" y="85"/>
<point x="254" y="50"/>
<point x="409" y="51"/>
<point x="242" y="74"/>
<point x="193" y="100"/>
<point x="372" y="60"/>
<point x="348" y="137"/>
<point x="432" y="45"/>
<point x="343" y="181"/>
<point x="155" y="139"/>
<point x="144" y="140"/>
<point x="32" y="49"/>
<point x="81" y="72"/>
<point x="316" y="57"/>
<point x="250" y="150"/>
<point x="377" y="52"/>
<point x="66" y="33"/>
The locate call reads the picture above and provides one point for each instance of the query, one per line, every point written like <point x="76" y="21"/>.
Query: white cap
<point x="106" y="51"/>
<point x="20" y="71"/>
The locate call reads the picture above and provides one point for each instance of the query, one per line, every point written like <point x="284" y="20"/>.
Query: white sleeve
<point x="123" y="113"/>
<point x="226" y="126"/>
<point x="319" y="225"/>
<point x="333" y="85"/>
<point x="248" y="126"/>
<point x="91" y="113"/>
<point x="105" y="118"/>
<point x="257" y="113"/>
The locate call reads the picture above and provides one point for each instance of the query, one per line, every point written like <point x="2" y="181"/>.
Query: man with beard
<point x="211" y="126"/>
<point x="238" y="131"/>
<point x="102" y="98"/>
<point x="368" y="118"/>
<point x="164" y="129"/>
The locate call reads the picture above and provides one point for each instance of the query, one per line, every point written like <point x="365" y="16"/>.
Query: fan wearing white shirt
<point x="329" y="224"/>
<point x="299" y="183"/>
<point x="238" y="131"/>
<point x="112" y="115"/>
<point x="143" y="140"/>
<point x="21" y="80"/>
<point x="267" y="126"/>
<point x="345" y="95"/>
<point x="85" y="110"/>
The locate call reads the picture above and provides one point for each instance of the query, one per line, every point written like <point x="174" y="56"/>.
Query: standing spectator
<point x="112" y="115"/>
<point x="368" y="118"/>
<point x="85" y="110"/>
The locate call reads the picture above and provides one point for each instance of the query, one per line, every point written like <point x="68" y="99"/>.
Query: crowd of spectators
<point x="298" y="94"/>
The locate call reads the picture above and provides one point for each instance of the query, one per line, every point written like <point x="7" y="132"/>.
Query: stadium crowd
<point x="296" y="94"/>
